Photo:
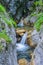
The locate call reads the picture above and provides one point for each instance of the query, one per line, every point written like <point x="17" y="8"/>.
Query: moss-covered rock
<point x="5" y="36"/>
<point x="39" y="21"/>
<point x="4" y="19"/>
<point x="7" y="39"/>
<point x="5" y="16"/>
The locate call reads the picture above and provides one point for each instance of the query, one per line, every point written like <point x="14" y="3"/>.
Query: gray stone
<point x="8" y="56"/>
<point x="35" y="37"/>
<point x="38" y="52"/>
<point x="33" y="19"/>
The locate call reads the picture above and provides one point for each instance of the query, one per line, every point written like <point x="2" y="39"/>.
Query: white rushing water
<point x="24" y="37"/>
<point x="22" y="46"/>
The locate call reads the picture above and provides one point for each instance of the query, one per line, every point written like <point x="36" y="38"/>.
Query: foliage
<point x="39" y="2"/>
<point x="1" y="47"/>
<point x="2" y="9"/>
<point x="39" y="15"/>
<point x="6" y="18"/>
<point x="5" y="36"/>
<point x="13" y="22"/>
<point x="39" y="21"/>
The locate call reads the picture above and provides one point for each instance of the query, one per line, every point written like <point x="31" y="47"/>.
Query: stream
<point x="21" y="36"/>
<point x="23" y="49"/>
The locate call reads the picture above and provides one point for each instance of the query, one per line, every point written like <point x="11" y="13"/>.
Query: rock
<point x="37" y="57"/>
<point x="30" y="43"/>
<point x="41" y="31"/>
<point x="35" y="37"/>
<point x="18" y="8"/>
<point x="28" y="4"/>
<point x="3" y="42"/>
<point x="23" y="62"/>
<point x="8" y="54"/>
<point x="33" y="19"/>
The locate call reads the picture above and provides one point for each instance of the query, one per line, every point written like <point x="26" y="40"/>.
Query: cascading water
<point x="24" y="38"/>
<point x="23" y="49"/>
<point x="22" y="46"/>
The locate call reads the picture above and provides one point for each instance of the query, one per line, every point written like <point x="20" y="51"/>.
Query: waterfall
<point x="24" y="37"/>
<point x="21" y="46"/>
<point x="21" y="24"/>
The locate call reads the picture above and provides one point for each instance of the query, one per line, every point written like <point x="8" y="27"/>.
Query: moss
<point x="1" y="47"/>
<point x="40" y="2"/>
<point x="5" y="36"/>
<point x="13" y="22"/>
<point x="2" y="9"/>
<point x="6" y="17"/>
<point x="39" y="20"/>
<point x="37" y="14"/>
<point x="8" y="22"/>
<point x="38" y="23"/>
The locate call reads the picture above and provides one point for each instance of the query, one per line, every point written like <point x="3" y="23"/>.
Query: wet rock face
<point x="18" y="8"/>
<point x="8" y="54"/>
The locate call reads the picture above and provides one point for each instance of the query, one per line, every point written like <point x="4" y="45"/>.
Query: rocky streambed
<point x="26" y="49"/>
<point x="37" y="41"/>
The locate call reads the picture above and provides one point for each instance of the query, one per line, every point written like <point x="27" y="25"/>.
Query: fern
<point x="5" y="36"/>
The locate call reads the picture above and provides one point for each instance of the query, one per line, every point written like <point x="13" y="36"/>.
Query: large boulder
<point x="8" y="54"/>
<point x="35" y="37"/>
<point x="23" y="62"/>
<point x="33" y="19"/>
<point x="37" y="57"/>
